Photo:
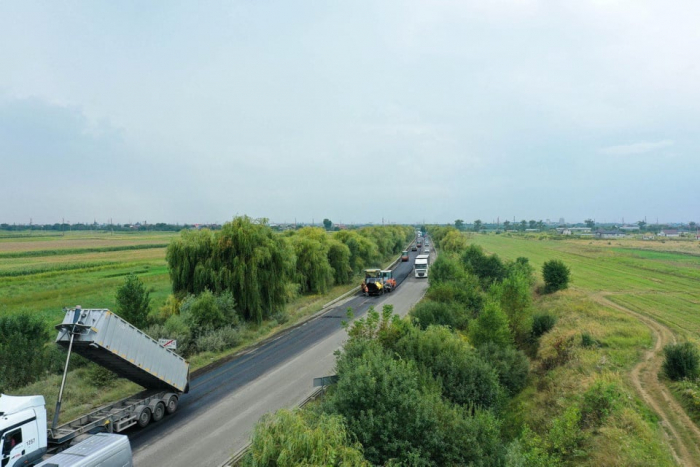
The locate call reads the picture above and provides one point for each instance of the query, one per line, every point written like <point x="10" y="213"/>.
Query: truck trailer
<point x="106" y="339"/>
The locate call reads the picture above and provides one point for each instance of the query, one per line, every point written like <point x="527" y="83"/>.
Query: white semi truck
<point x="421" y="265"/>
<point x="102" y="337"/>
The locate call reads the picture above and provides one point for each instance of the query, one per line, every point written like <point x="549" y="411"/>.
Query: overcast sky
<point x="356" y="111"/>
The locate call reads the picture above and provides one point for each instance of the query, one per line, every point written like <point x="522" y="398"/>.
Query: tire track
<point x="682" y="435"/>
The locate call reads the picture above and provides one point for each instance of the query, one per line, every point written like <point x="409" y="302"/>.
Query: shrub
<point x="217" y="340"/>
<point x="682" y="361"/>
<point x="565" y="435"/>
<point x="466" y="379"/>
<point x="556" y="275"/>
<point x="445" y="269"/>
<point x="100" y="376"/>
<point x="599" y="401"/>
<point x="428" y="313"/>
<point x="397" y="418"/>
<point x="301" y="438"/>
<point x="511" y="366"/>
<point x="542" y="324"/>
<point x="515" y="298"/>
<point x="488" y="269"/>
<point x="491" y="326"/>
<point x="465" y="292"/>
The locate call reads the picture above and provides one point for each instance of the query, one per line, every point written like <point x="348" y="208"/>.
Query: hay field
<point x="44" y="274"/>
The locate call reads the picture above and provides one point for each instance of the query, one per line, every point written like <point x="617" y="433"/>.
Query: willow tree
<point x="189" y="260"/>
<point x="255" y="264"/>
<point x="339" y="260"/>
<point x="314" y="273"/>
<point x="363" y="251"/>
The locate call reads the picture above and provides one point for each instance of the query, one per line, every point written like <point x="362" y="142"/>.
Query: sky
<point x="357" y="111"/>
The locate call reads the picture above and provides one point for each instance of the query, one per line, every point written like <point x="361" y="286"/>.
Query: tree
<point x="301" y="437"/>
<point x="453" y="242"/>
<point x="327" y="224"/>
<point x="459" y="224"/>
<point x="540" y="225"/>
<point x="590" y="223"/>
<point x="523" y="224"/>
<point x="515" y="298"/>
<point x="556" y="275"/>
<point x="491" y="326"/>
<point x="133" y="301"/>
<point x="533" y="223"/>
<point x="23" y="351"/>
<point x="506" y="225"/>
<point x="477" y="225"/>
<point x="692" y="225"/>
<point x="642" y="225"/>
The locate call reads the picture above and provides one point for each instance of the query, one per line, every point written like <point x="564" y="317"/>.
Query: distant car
<point x="427" y="251"/>
<point x="414" y="248"/>
<point x="427" y="244"/>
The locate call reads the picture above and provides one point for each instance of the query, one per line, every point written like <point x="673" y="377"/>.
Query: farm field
<point x="660" y="280"/>
<point x="44" y="274"/>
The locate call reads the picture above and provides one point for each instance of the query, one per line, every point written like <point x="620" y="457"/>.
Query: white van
<point x="102" y="449"/>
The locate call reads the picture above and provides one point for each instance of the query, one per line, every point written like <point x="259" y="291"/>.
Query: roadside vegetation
<point x="214" y="292"/>
<point x="486" y="371"/>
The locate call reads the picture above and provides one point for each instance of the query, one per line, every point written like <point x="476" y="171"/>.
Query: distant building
<point x="629" y="228"/>
<point x="669" y="233"/>
<point x="609" y="234"/>
<point x="573" y="230"/>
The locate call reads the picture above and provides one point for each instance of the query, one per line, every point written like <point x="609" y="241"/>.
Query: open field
<point x="632" y="298"/>
<point x="661" y="280"/>
<point x="43" y="274"/>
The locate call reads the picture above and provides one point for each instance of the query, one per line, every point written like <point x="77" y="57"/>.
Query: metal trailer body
<point x="111" y="342"/>
<point x="100" y="450"/>
<point x="104" y="338"/>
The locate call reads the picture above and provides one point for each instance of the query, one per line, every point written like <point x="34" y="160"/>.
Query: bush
<point x="556" y="275"/>
<point x="599" y="401"/>
<point x="511" y="366"/>
<point x="466" y="379"/>
<point x="465" y="292"/>
<point x="491" y="326"/>
<point x="682" y="361"/>
<point x="23" y="350"/>
<point x="429" y="313"/>
<point x="445" y="269"/>
<point x="301" y="438"/>
<point x="542" y="324"/>
<point x="221" y="339"/>
<point x="399" y="419"/>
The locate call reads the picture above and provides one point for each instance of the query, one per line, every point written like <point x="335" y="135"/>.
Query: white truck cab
<point x="421" y="265"/>
<point x="22" y="430"/>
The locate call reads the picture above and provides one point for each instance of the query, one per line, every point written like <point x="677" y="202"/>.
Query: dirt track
<point x="683" y="436"/>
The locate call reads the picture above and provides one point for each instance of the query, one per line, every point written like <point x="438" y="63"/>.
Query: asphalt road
<point x="216" y="418"/>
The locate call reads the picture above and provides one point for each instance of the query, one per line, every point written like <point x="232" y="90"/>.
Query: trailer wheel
<point x="158" y="411"/>
<point x="144" y="417"/>
<point x="171" y="406"/>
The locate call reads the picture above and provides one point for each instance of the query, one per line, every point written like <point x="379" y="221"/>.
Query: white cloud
<point x="642" y="147"/>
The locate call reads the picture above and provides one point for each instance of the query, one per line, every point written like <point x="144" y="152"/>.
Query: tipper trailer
<point x="106" y="339"/>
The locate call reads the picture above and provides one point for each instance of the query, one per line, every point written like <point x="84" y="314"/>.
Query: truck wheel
<point x="171" y="406"/>
<point x="144" y="417"/>
<point x="158" y="411"/>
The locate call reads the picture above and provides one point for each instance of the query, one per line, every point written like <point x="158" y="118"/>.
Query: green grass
<point x="661" y="284"/>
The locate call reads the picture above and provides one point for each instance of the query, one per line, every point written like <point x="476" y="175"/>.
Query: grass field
<point x="43" y="273"/>
<point x="661" y="280"/>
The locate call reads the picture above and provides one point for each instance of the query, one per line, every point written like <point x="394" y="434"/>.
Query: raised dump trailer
<point x="106" y="339"/>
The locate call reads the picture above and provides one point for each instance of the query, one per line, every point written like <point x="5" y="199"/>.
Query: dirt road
<point x="683" y="436"/>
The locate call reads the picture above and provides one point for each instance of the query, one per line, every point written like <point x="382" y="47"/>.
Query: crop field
<point x="658" y="279"/>
<point x="45" y="273"/>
